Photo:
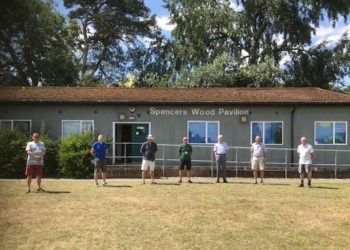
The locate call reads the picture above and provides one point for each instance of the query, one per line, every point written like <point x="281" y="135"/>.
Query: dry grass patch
<point x="129" y="215"/>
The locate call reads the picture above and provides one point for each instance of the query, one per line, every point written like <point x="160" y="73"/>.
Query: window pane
<point x="340" y="132"/>
<point x="86" y="127"/>
<point x="257" y="129"/>
<point x="273" y="133"/>
<point x="196" y="132"/>
<point x="324" y="133"/>
<point x="23" y="126"/>
<point x="5" y="125"/>
<point x="71" y="128"/>
<point x="213" y="130"/>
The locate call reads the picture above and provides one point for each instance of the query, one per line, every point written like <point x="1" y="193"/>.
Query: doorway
<point x="128" y="138"/>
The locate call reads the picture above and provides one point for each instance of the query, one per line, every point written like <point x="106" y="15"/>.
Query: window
<point x="17" y="125"/>
<point x="330" y="133"/>
<point x="202" y="131"/>
<point x="270" y="132"/>
<point x="75" y="127"/>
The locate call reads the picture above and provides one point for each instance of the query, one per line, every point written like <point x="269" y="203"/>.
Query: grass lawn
<point x="74" y="214"/>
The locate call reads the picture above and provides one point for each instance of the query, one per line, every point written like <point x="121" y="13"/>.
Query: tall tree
<point x="250" y="31"/>
<point x="110" y="30"/>
<point x="33" y="45"/>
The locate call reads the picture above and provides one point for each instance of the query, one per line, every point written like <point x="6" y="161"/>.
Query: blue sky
<point x="325" y="32"/>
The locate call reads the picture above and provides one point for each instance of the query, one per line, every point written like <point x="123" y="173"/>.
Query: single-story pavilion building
<point x="281" y="116"/>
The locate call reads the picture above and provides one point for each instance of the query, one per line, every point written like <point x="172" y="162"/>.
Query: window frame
<point x="80" y="125"/>
<point x="263" y="141"/>
<point x="206" y="131"/>
<point x="17" y="120"/>
<point x="333" y="134"/>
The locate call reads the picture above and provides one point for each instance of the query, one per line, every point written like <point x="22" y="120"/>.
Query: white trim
<point x="263" y="122"/>
<point x="333" y="133"/>
<point x="115" y="135"/>
<point x="81" y="121"/>
<point x="206" y="130"/>
<point x="17" y="120"/>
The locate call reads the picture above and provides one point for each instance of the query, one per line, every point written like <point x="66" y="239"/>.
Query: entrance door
<point x="128" y="139"/>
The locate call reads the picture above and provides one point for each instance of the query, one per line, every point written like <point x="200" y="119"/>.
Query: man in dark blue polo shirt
<point x="98" y="151"/>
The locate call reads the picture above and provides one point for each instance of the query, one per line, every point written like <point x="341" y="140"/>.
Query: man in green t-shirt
<point x="185" y="151"/>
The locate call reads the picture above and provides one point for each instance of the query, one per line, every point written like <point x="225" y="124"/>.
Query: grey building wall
<point x="169" y="128"/>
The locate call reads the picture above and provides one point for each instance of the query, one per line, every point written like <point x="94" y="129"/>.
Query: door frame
<point x="115" y="135"/>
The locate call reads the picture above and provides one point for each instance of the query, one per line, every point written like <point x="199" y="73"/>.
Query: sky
<point x="325" y="32"/>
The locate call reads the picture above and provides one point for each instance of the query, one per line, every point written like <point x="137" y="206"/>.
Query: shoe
<point x="225" y="181"/>
<point x="105" y="184"/>
<point x="28" y="191"/>
<point x="96" y="184"/>
<point x="217" y="181"/>
<point x="153" y="182"/>
<point x="40" y="190"/>
<point x="309" y="185"/>
<point x="301" y="185"/>
<point x="189" y="181"/>
<point x="180" y="181"/>
<point x="255" y="182"/>
<point x="262" y="182"/>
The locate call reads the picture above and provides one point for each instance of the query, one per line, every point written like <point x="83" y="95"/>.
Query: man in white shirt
<point x="306" y="153"/>
<point x="220" y="150"/>
<point x="257" y="158"/>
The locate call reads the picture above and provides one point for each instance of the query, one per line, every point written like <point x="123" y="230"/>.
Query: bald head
<point x="303" y="140"/>
<point x="101" y="138"/>
<point x="220" y="138"/>
<point x="258" y="139"/>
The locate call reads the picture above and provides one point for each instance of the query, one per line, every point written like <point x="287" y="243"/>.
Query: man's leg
<point x="189" y="175"/>
<point x="302" y="175"/>
<point x="223" y="164"/>
<point x="38" y="181"/>
<point x="255" y="175"/>
<point x="96" y="176"/>
<point x="180" y="176"/>
<point x="104" y="178"/>
<point x="152" y="176"/>
<point x="262" y="176"/>
<point x="29" y="181"/>
<point x="309" y="178"/>
<point x="144" y="176"/>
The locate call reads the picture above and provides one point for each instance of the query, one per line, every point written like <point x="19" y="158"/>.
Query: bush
<point x="51" y="156"/>
<point x="75" y="160"/>
<point x="13" y="155"/>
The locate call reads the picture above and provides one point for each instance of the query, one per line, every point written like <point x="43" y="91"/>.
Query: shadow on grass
<point x="320" y="187"/>
<point x="117" y="186"/>
<point x="170" y="183"/>
<point x="55" y="192"/>
<point x="202" y="182"/>
<point x="277" y="184"/>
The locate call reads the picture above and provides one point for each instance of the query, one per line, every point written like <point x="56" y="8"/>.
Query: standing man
<point x="306" y="153"/>
<point x="35" y="161"/>
<point x="148" y="151"/>
<point x="220" y="150"/>
<point x="258" y="158"/>
<point x="98" y="151"/>
<point x="185" y="152"/>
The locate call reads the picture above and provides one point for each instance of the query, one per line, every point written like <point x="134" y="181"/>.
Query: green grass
<point x="129" y="215"/>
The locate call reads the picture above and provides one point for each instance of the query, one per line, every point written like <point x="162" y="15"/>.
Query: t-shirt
<point x="36" y="148"/>
<point x="100" y="150"/>
<point x="149" y="151"/>
<point x="305" y="152"/>
<point x="220" y="148"/>
<point x="185" y="151"/>
<point x="258" y="150"/>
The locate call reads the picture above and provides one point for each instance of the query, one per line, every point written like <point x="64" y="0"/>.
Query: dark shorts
<point x="186" y="163"/>
<point x="36" y="170"/>
<point x="100" y="165"/>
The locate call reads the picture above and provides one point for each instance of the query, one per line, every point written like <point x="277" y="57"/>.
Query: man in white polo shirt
<point x="220" y="150"/>
<point x="257" y="158"/>
<point x="306" y="153"/>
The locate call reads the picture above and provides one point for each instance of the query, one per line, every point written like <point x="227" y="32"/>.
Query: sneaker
<point x="189" y="181"/>
<point x="262" y="182"/>
<point x="96" y="184"/>
<point x="309" y="185"/>
<point x="255" y="182"/>
<point x="28" y="191"/>
<point x="301" y="185"/>
<point x="40" y="190"/>
<point x="225" y="181"/>
<point x="180" y="181"/>
<point x="217" y="181"/>
<point x="153" y="182"/>
<point x="105" y="184"/>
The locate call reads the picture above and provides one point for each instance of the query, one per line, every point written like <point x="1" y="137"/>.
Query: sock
<point x="302" y="181"/>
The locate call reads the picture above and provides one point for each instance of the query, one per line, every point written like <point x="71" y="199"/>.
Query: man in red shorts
<point x="35" y="161"/>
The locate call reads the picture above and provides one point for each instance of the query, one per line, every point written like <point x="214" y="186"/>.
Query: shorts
<point x="186" y="163"/>
<point x="36" y="170"/>
<point x="100" y="165"/>
<point x="258" y="163"/>
<point x="146" y="163"/>
<point x="304" y="168"/>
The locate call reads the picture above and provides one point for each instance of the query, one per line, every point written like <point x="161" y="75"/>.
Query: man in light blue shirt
<point x="220" y="150"/>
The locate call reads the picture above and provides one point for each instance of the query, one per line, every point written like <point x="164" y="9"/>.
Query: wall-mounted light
<point x="244" y="118"/>
<point x="121" y="117"/>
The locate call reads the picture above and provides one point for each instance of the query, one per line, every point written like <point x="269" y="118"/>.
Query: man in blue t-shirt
<point x="98" y="151"/>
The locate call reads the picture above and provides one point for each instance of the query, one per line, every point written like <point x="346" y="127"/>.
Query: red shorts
<point x="36" y="170"/>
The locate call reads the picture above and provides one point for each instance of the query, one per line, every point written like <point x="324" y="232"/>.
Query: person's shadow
<point x="117" y="186"/>
<point x="56" y="192"/>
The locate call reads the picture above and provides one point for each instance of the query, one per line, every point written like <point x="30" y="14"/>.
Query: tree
<point x="109" y="31"/>
<point x="324" y="66"/>
<point x="33" y="45"/>
<point x="251" y="32"/>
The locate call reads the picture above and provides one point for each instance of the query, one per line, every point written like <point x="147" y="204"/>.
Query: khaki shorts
<point x="148" y="164"/>
<point x="258" y="163"/>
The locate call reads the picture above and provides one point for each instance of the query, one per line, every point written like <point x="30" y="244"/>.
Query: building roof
<point x="263" y="96"/>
